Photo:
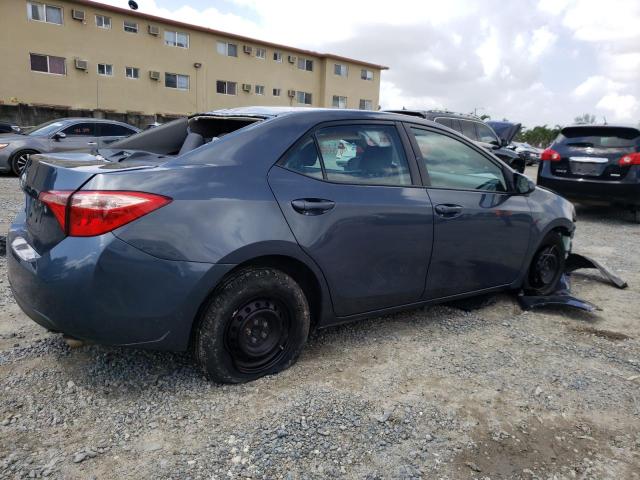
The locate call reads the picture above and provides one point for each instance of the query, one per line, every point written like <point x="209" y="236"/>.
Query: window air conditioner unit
<point x="81" y="64"/>
<point x="77" y="14"/>
<point x="247" y="49"/>
<point x="246" y="87"/>
<point x="291" y="93"/>
<point x="291" y="59"/>
<point x="154" y="30"/>
<point x="153" y="75"/>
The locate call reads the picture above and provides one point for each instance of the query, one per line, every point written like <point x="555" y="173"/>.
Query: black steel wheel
<point x="257" y="335"/>
<point x="19" y="160"/>
<point x="547" y="266"/>
<point x="256" y="324"/>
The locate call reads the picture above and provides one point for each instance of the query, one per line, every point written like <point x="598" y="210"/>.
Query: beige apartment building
<point x="80" y="54"/>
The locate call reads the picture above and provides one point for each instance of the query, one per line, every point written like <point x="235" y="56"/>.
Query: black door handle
<point x="312" y="206"/>
<point x="448" y="211"/>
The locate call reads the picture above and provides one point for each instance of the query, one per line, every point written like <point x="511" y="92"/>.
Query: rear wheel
<point x="256" y="324"/>
<point x="19" y="160"/>
<point x="547" y="266"/>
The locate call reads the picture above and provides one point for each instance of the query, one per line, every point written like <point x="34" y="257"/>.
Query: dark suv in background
<point x="598" y="163"/>
<point x="475" y="129"/>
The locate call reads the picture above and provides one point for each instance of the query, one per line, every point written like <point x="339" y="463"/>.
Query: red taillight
<point x="550" y="155"/>
<point x="629" y="159"/>
<point x="94" y="212"/>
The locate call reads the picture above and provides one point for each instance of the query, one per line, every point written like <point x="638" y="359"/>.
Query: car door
<point x="110" y="132"/>
<point x="79" y="136"/>
<point x="359" y="213"/>
<point x="481" y="230"/>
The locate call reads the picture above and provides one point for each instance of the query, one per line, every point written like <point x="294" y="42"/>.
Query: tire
<point x="547" y="266"/>
<point x="256" y="324"/>
<point x="19" y="161"/>
<point x="635" y="215"/>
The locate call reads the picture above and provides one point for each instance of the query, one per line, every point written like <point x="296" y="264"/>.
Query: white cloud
<point x="597" y="84"/>
<point x="541" y="41"/>
<point x="623" y="107"/>
<point x="489" y="53"/>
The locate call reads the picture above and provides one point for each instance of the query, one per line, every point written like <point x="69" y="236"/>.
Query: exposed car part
<point x="561" y="296"/>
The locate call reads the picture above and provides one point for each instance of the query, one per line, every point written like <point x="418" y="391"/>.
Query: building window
<point x="277" y="57"/>
<point x="366" y="74"/>
<point x="228" y="49"/>
<point x="276" y="92"/>
<point x="132" y="72"/>
<point x="303" y="98"/>
<point x="105" y="69"/>
<point x="48" y="64"/>
<point x="226" y="88"/>
<point x="340" y="70"/>
<point x="366" y="104"/>
<point x="103" y="22"/>
<point x="339" y="102"/>
<point x="131" y="27"/>
<point x="305" y="64"/>
<point x="261" y="53"/>
<point x="44" y="13"/>
<point x="176" y="39"/>
<point x="175" y="80"/>
<point x="259" y="90"/>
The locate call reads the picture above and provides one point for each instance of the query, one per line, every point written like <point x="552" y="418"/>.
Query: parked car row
<point x="236" y="231"/>
<point x="61" y="135"/>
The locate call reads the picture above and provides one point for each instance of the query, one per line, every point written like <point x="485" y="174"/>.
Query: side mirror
<point x="523" y="184"/>
<point x="59" y="136"/>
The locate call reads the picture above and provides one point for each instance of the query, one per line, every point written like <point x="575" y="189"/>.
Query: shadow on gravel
<point x="120" y="371"/>
<point x="604" y="214"/>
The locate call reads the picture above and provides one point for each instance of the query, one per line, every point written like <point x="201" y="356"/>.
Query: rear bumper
<point x="103" y="290"/>
<point x="626" y="191"/>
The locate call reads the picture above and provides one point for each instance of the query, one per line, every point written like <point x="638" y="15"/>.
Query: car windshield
<point x="44" y="129"/>
<point x="598" y="137"/>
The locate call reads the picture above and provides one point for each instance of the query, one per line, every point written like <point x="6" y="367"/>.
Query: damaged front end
<point x="562" y="295"/>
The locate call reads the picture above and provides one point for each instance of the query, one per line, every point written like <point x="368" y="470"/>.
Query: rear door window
<point x="363" y="154"/>
<point x="599" y="137"/>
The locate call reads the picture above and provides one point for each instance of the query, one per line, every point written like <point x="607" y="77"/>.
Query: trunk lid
<point x="48" y="172"/>
<point x="594" y="151"/>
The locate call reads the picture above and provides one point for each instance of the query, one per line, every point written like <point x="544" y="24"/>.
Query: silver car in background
<point x="60" y="135"/>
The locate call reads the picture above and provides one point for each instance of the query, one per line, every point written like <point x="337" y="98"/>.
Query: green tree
<point x="540" y="136"/>
<point x="585" y="119"/>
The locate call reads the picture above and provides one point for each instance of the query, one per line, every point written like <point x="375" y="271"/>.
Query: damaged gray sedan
<point x="235" y="232"/>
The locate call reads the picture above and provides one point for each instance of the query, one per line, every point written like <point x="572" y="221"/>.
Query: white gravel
<point x="431" y="393"/>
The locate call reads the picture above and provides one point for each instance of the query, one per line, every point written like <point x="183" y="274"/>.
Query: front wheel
<point x="256" y="324"/>
<point x="547" y="266"/>
<point x="19" y="161"/>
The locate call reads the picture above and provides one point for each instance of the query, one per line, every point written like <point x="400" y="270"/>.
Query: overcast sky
<point x="533" y="61"/>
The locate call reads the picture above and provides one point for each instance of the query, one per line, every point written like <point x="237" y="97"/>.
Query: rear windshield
<point x="599" y="137"/>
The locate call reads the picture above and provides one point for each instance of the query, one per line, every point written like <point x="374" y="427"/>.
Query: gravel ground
<point x="440" y="392"/>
